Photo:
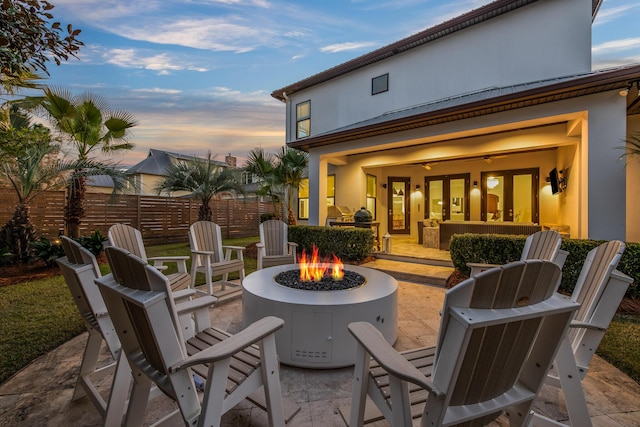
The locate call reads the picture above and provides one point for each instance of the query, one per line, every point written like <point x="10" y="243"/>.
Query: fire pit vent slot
<point x="315" y="355"/>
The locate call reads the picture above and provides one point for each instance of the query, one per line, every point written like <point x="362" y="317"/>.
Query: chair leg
<point x="572" y="385"/>
<point x="213" y="401"/>
<point x="138" y="401"/>
<point x="119" y="393"/>
<point x="89" y="362"/>
<point x="359" y="387"/>
<point x="271" y="381"/>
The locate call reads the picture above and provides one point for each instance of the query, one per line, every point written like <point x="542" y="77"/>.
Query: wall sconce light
<point x="475" y="184"/>
<point x="384" y="185"/>
<point x="624" y="91"/>
<point x="417" y="187"/>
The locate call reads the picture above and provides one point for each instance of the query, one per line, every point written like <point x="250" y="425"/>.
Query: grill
<point x="339" y="213"/>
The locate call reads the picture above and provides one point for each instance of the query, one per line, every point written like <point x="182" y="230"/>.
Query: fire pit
<point x="316" y="313"/>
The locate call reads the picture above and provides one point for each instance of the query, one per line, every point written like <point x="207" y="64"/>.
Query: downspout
<point x="287" y="113"/>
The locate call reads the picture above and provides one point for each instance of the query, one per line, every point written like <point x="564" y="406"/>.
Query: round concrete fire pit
<point x="315" y="332"/>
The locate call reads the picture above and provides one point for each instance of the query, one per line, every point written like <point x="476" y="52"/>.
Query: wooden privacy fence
<point x="160" y="219"/>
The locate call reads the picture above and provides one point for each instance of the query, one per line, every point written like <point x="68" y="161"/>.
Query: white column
<point x="317" y="189"/>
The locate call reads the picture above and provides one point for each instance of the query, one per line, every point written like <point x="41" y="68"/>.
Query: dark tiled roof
<point x="466" y="20"/>
<point x="100" y="181"/>
<point x="158" y="161"/>
<point x="488" y="101"/>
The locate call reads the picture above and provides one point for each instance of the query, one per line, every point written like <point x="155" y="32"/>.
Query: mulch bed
<point x="13" y="274"/>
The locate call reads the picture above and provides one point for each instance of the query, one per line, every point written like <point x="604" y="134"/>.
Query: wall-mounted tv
<point x="554" y="180"/>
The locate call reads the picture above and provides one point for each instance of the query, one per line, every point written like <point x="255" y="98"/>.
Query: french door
<point x="447" y="197"/>
<point x="399" y="218"/>
<point x="510" y="195"/>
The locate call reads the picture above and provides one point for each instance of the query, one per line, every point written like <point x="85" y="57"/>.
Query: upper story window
<point x="380" y="84"/>
<point x="303" y="119"/>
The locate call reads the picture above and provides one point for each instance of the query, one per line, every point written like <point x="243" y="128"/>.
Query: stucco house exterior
<point x="496" y="116"/>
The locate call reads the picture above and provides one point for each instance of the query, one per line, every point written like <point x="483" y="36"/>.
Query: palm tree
<point x="633" y="146"/>
<point x="292" y="165"/>
<point x="204" y="179"/>
<point x="32" y="171"/>
<point x="264" y="166"/>
<point x="88" y="124"/>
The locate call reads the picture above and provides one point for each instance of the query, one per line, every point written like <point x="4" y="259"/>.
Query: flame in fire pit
<point x="315" y="269"/>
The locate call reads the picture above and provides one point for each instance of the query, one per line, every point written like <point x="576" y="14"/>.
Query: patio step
<point x="443" y="262"/>
<point x="409" y="271"/>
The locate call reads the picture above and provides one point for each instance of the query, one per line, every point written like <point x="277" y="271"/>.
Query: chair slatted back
<point x="127" y="237"/>
<point x="510" y="286"/>
<point x="273" y="234"/>
<point x="542" y="245"/>
<point x="206" y="236"/>
<point x="80" y="270"/>
<point x="498" y="344"/>
<point x="139" y="300"/>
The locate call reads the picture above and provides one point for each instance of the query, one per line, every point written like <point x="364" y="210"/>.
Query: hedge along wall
<point x="160" y="219"/>
<point x="501" y="249"/>
<point x="348" y="244"/>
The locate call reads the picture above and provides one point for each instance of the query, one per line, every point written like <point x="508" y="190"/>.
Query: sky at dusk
<point x="197" y="74"/>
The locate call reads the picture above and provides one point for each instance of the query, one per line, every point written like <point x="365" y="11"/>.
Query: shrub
<point x="93" y="242"/>
<point x="47" y="250"/>
<point x="351" y="244"/>
<point x="501" y="249"/>
<point x="266" y="217"/>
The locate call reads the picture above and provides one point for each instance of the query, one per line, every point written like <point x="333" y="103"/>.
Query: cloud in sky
<point x="197" y="74"/>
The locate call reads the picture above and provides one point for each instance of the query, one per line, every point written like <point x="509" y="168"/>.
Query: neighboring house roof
<point x="466" y="20"/>
<point x="100" y="181"/>
<point x="487" y="101"/>
<point x="158" y="161"/>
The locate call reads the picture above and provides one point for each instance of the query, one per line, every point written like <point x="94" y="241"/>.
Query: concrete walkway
<point x="40" y="395"/>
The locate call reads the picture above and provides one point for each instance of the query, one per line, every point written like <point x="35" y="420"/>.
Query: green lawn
<point x="39" y="315"/>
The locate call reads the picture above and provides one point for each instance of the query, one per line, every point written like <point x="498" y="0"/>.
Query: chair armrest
<point x="182" y="294"/>
<point x="292" y="244"/>
<point x="236" y="248"/>
<point x="259" y="245"/>
<point x="203" y="252"/>
<point x="374" y="343"/>
<point x="176" y="258"/>
<point x="196" y="304"/>
<point x="478" y="267"/>
<point x="232" y="345"/>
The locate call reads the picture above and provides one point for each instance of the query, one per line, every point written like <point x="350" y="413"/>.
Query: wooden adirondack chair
<point x="498" y="336"/>
<point x="211" y="257"/>
<point x="540" y="245"/>
<point x="144" y="315"/>
<point x="80" y="270"/>
<point x="126" y="237"/>
<point x="599" y="291"/>
<point x="274" y="249"/>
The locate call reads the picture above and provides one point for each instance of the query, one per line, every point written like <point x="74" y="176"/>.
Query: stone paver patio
<point x="40" y="394"/>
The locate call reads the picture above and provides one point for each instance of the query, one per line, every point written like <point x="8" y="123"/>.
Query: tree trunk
<point x="74" y="208"/>
<point x="204" y="213"/>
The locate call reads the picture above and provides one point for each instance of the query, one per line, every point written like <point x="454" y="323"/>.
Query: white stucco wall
<point x="535" y="42"/>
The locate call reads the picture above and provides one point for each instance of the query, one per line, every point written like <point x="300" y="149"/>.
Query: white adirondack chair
<point x="599" y="291"/>
<point x="211" y="257"/>
<point x="543" y="244"/>
<point x="274" y="247"/>
<point x="80" y="270"/>
<point x="129" y="238"/>
<point x="498" y="336"/>
<point x="146" y="321"/>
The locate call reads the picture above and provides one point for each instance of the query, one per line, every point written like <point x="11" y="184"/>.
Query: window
<point x="303" y="199"/>
<point x="303" y="119"/>
<point x="380" y="84"/>
<point x="372" y="192"/>
<point x="303" y="196"/>
<point x="331" y="190"/>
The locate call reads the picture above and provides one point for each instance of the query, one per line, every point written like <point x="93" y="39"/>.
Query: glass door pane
<point x="399" y="212"/>
<point x="436" y="196"/>
<point x="457" y="205"/>
<point x="522" y="198"/>
<point x="510" y="195"/>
